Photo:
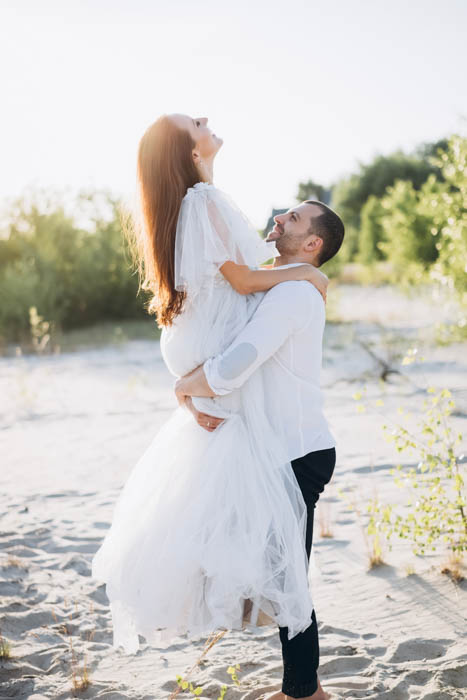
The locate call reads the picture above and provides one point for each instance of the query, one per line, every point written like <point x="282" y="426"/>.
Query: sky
<point x="298" y="89"/>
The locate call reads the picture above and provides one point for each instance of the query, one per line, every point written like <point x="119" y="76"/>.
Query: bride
<point x="209" y="523"/>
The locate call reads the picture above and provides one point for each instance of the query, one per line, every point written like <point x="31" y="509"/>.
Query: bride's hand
<point x="318" y="279"/>
<point x="209" y="423"/>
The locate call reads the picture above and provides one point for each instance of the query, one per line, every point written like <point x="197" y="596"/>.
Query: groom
<point x="284" y="336"/>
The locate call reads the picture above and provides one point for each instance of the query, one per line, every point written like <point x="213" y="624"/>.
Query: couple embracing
<point x="213" y="528"/>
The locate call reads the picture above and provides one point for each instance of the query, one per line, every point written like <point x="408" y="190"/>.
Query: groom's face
<point x="292" y="229"/>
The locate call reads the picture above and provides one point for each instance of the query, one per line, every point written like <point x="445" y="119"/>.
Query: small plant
<point x="436" y="507"/>
<point x="185" y="685"/>
<point x="371" y="533"/>
<point x="80" y="678"/>
<point x="182" y="683"/>
<point x="40" y="330"/>
<point x="373" y="539"/>
<point x="410" y="570"/>
<point x="5" y="648"/>
<point x="435" y="511"/>
<point x="324" y="519"/>
<point x="11" y="560"/>
<point x="196" y="691"/>
<point x="452" y="568"/>
<point x="232" y="671"/>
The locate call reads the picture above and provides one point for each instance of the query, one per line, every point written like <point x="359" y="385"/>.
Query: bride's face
<point x="207" y="144"/>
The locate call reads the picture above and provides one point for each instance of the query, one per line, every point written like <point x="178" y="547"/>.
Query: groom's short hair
<point x="329" y="227"/>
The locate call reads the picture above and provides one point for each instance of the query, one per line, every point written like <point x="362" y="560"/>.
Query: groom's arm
<point x="285" y="309"/>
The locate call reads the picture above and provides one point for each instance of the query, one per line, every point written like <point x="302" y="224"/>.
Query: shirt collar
<point x="291" y="265"/>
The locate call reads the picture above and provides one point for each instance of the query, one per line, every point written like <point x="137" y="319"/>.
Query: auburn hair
<point x="165" y="171"/>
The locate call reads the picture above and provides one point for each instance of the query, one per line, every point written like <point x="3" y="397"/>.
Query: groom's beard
<point x="289" y="244"/>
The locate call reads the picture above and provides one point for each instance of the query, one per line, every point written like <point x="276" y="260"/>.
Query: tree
<point x="409" y="235"/>
<point x="448" y="207"/>
<point x="72" y="275"/>
<point x="350" y="194"/>
<point x="311" y="190"/>
<point x="371" y="231"/>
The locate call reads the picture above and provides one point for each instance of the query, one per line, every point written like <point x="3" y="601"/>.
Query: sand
<point x="72" y="427"/>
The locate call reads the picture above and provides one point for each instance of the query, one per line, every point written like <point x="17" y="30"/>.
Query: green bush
<point x="350" y="194"/>
<point x="74" y="276"/>
<point x="448" y="208"/>
<point x="371" y="231"/>
<point x="409" y="235"/>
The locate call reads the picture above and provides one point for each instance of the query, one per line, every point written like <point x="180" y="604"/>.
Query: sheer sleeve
<point x="210" y="231"/>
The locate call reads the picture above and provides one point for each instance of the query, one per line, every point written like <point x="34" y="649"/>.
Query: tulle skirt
<point x="205" y="522"/>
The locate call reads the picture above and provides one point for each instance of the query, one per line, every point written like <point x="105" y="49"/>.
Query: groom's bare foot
<point x="318" y="695"/>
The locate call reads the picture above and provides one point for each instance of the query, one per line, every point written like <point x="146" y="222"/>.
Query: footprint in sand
<point x="344" y="664"/>
<point x="101" y="525"/>
<point x="419" y="649"/>
<point x="419" y="677"/>
<point x="333" y="650"/>
<point x="327" y="629"/>
<point x="455" y="677"/>
<point x="77" y="563"/>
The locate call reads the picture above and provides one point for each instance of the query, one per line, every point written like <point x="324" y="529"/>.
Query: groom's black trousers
<point x="301" y="654"/>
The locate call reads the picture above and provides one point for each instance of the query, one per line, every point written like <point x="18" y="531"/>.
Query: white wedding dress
<point x="207" y="521"/>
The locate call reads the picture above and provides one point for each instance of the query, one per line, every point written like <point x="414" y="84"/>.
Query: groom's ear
<point x="313" y="243"/>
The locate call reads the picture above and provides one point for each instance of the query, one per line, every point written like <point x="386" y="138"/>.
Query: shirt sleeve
<point x="286" y="309"/>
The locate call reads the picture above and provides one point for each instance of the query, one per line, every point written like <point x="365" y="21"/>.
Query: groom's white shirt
<point x="285" y="336"/>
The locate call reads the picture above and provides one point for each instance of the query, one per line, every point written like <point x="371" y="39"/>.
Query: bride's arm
<point x="247" y="281"/>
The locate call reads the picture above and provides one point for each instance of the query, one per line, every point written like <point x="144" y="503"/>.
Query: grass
<point x="99" y="335"/>
<point x="183" y="683"/>
<point x="13" y="561"/>
<point x="453" y="568"/>
<point x="324" y="520"/>
<point x="79" y="673"/>
<point x="375" y="555"/>
<point x="379" y="273"/>
<point x="5" y="648"/>
<point x="80" y="680"/>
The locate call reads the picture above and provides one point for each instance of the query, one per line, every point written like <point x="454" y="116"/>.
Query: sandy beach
<point x="72" y="427"/>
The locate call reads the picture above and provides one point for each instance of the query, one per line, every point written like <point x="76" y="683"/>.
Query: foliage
<point x="435" y="513"/>
<point x="311" y="190"/>
<point x="186" y="685"/>
<point x="72" y="275"/>
<point x="409" y="236"/>
<point x="425" y="231"/>
<point x="350" y="194"/>
<point x="196" y="691"/>
<point x="5" y="648"/>
<point x="39" y="330"/>
<point x="371" y="231"/>
<point x="419" y="229"/>
<point x="437" y="505"/>
<point x="449" y="207"/>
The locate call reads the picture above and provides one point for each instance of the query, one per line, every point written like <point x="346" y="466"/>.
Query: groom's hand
<point x="209" y="423"/>
<point x="192" y="384"/>
<point x="180" y="392"/>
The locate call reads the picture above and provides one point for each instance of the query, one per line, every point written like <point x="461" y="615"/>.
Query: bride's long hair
<point x="165" y="171"/>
